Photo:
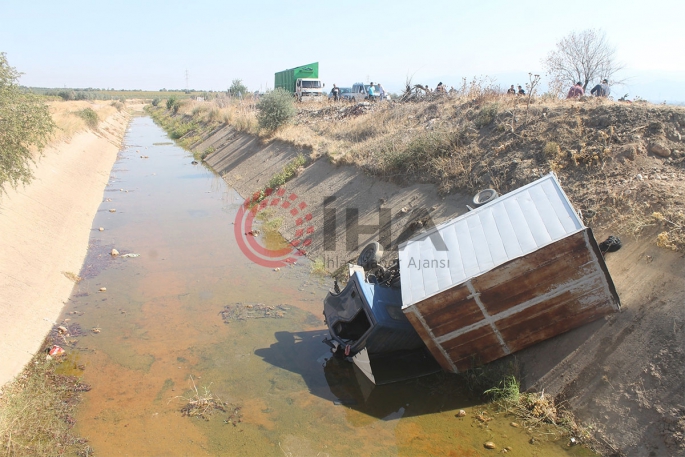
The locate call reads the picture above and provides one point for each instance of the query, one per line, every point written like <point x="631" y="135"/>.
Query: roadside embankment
<point x="621" y="165"/>
<point x="45" y="226"/>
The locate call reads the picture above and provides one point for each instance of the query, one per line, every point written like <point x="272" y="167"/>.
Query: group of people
<point x="600" y="90"/>
<point x="512" y="91"/>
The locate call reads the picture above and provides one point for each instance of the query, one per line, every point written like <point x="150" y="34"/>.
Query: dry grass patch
<point x="36" y="412"/>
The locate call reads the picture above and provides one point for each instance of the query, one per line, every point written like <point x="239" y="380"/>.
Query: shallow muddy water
<point x="160" y="326"/>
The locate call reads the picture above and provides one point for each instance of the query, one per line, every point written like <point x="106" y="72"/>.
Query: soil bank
<point x="624" y="375"/>
<point x="44" y="232"/>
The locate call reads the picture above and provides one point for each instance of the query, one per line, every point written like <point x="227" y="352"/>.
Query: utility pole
<point x="187" y="90"/>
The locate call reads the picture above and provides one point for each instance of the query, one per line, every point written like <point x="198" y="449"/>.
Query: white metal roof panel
<point x="510" y="226"/>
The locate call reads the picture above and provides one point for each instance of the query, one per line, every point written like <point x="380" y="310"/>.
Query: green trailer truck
<point x="302" y="81"/>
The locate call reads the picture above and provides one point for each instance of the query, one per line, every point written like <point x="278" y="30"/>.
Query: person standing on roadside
<point x="601" y="90"/>
<point x="371" y="91"/>
<point x="336" y="93"/>
<point x="381" y="91"/>
<point x="576" y="91"/>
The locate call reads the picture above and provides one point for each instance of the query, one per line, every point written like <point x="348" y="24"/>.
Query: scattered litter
<point x="62" y="330"/>
<point x="243" y="311"/>
<point x="277" y="269"/>
<point x="103" y="289"/>
<point x="461" y="413"/>
<point x="194" y="162"/>
<point x="96" y="329"/>
<point x="489" y="445"/>
<point x="131" y="255"/>
<point x="102" y="229"/>
<point x="253" y="233"/>
<point x="55" y="351"/>
<point x="114" y="253"/>
<point x="144" y="157"/>
<point x="112" y="210"/>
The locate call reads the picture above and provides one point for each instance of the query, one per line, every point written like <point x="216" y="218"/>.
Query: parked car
<point x="343" y="90"/>
<point x="360" y="92"/>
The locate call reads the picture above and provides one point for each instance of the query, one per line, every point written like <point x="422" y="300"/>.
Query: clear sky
<point x="150" y="44"/>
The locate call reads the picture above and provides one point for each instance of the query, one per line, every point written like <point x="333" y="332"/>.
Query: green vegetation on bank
<point x="90" y="116"/>
<point x="121" y="95"/>
<point x="25" y="123"/>
<point x="36" y="412"/>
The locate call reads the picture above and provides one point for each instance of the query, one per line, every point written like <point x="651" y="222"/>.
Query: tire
<point x="370" y="255"/>
<point x="485" y="196"/>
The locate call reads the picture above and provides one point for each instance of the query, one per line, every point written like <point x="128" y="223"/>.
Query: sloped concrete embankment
<point x="384" y="209"/>
<point x="44" y="232"/>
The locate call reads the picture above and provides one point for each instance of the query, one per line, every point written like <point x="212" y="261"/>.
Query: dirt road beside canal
<point x="44" y="232"/>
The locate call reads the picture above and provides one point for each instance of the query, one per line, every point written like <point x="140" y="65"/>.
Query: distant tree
<point x="25" y="122"/>
<point x="583" y="56"/>
<point x="237" y="89"/>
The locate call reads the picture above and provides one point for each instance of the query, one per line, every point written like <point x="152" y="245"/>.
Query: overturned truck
<point x="514" y="272"/>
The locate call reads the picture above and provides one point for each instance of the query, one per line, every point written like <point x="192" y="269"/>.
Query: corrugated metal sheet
<point x="507" y="228"/>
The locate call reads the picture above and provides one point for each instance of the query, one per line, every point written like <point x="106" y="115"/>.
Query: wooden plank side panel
<point x="449" y="311"/>
<point x="428" y="341"/>
<point x="474" y="348"/>
<point x="533" y="275"/>
<point x="556" y="315"/>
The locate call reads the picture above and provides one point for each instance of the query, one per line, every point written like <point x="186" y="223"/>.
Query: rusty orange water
<point x="160" y="331"/>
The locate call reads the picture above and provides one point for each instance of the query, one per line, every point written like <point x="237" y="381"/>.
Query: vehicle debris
<point x="515" y="271"/>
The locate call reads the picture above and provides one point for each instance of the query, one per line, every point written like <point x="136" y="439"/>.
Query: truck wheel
<point x="485" y="196"/>
<point x="370" y="255"/>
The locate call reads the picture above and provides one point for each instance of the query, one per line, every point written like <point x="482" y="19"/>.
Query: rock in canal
<point x="114" y="253"/>
<point x="489" y="445"/>
<point x="461" y="413"/>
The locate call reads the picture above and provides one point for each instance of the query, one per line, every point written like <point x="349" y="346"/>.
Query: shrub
<point x="90" y="116"/>
<point x="155" y="101"/>
<point x="118" y="105"/>
<point x="486" y="115"/>
<point x="172" y="104"/>
<point x="275" y="109"/>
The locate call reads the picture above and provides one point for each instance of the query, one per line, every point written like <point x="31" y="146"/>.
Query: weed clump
<point x="201" y="405"/>
<point x="36" y="412"/>
<point x="90" y="116"/>
<point x="289" y="171"/>
<point x="486" y="115"/>
<point x="275" y="109"/>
